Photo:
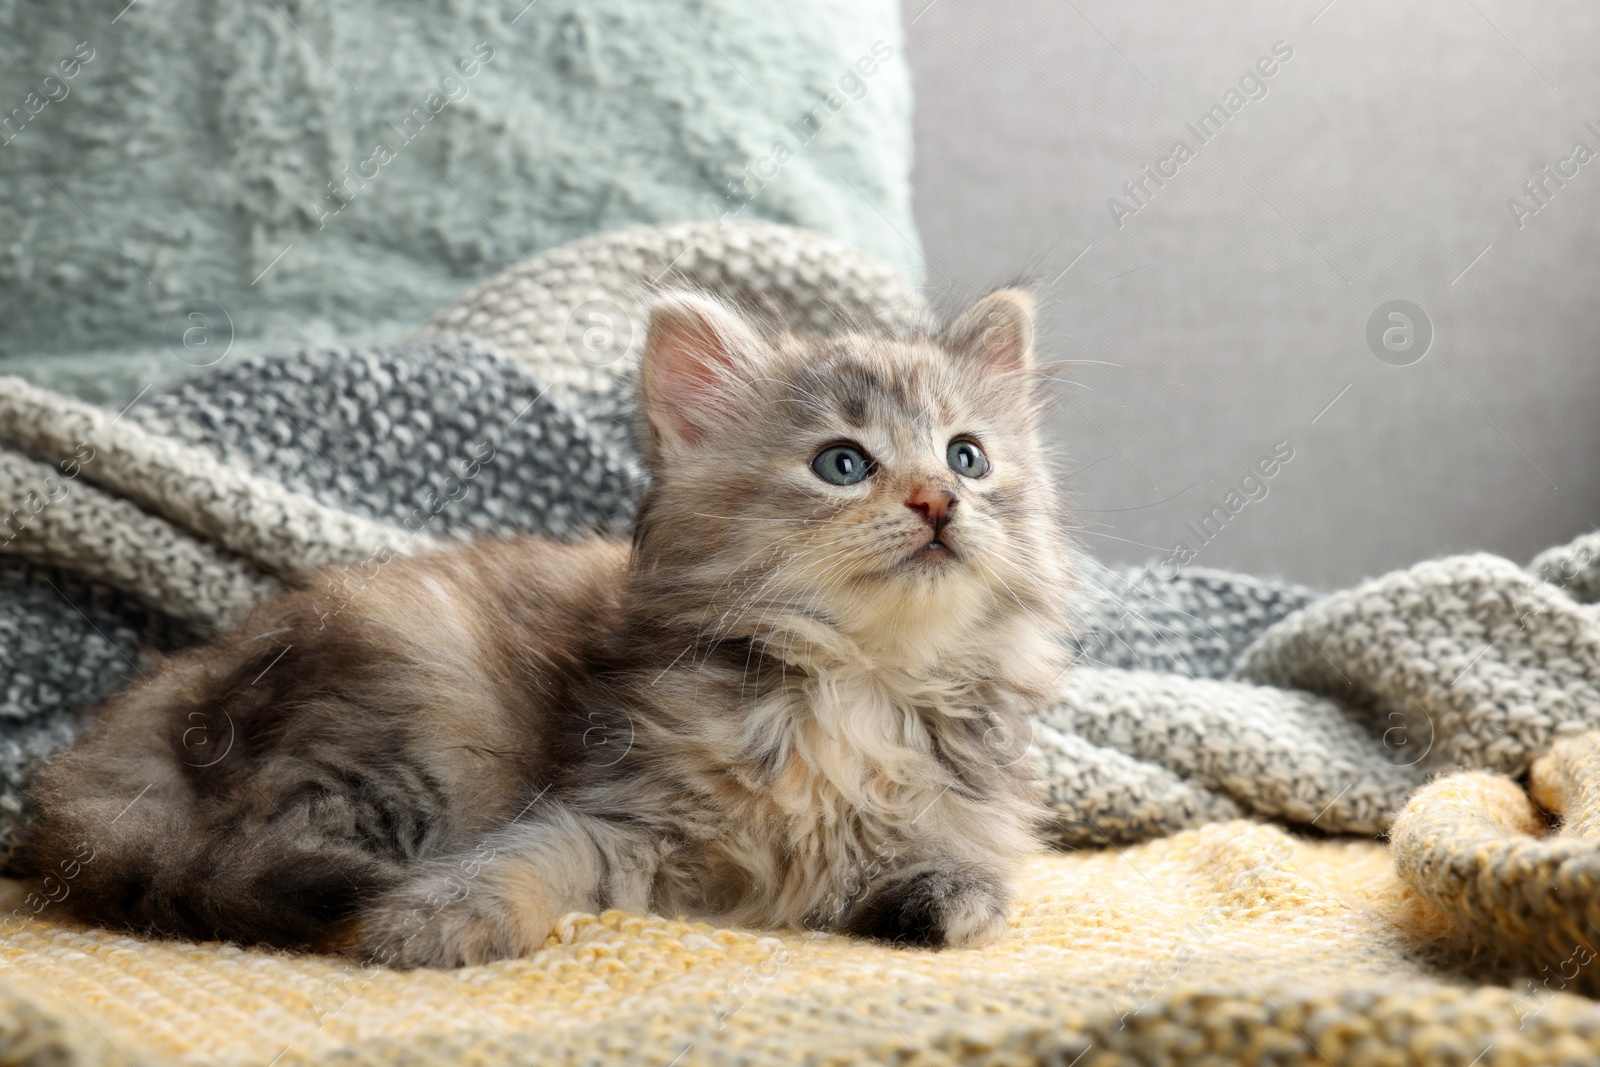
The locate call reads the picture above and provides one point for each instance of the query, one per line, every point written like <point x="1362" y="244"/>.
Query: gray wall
<point x="1226" y="313"/>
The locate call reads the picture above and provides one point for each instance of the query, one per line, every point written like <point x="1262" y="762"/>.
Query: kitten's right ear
<point x="694" y="364"/>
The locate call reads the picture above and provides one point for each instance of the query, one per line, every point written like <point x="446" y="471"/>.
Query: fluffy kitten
<point x="797" y="700"/>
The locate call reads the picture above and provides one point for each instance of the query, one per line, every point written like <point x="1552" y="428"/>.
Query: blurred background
<point x="1347" y="243"/>
<point x="1226" y="309"/>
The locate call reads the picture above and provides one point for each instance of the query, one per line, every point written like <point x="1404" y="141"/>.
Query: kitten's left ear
<point x="997" y="331"/>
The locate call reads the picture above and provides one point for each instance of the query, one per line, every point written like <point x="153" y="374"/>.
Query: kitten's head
<point x="859" y="493"/>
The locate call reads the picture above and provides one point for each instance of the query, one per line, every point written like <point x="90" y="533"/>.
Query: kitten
<point x="797" y="700"/>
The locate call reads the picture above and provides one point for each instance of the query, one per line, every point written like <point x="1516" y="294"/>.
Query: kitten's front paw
<point x="941" y="908"/>
<point x="417" y="928"/>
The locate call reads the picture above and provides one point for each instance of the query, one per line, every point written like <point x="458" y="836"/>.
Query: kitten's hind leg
<point x="502" y="898"/>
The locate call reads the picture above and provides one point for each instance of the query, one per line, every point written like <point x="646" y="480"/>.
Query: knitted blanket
<point x="1216" y="731"/>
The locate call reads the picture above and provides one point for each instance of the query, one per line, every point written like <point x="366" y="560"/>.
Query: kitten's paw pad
<point x="938" y="909"/>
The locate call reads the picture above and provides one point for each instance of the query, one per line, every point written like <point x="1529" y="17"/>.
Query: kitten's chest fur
<point x="834" y="773"/>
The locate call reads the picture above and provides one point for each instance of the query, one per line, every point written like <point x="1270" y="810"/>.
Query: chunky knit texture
<point x="1478" y="847"/>
<point x="1238" y="943"/>
<point x="574" y="316"/>
<point x="1201" y="705"/>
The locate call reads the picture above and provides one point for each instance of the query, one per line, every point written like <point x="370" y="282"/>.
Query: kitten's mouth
<point x="934" y="552"/>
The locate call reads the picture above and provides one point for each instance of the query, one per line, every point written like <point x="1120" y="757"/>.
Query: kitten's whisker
<point x="737" y="571"/>
<point x="768" y="594"/>
<point x="777" y="574"/>
<point x="781" y="520"/>
<point x="1087" y="531"/>
<point x="1013" y="594"/>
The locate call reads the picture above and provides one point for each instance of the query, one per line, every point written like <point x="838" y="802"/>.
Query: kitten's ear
<point x="997" y="331"/>
<point x="694" y="364"/>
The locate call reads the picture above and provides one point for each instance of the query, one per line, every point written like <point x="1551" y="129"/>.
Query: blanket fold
<point x="110" y="539"/>
<point x="1480" y="849"/>
<point x="1466" y="661"/>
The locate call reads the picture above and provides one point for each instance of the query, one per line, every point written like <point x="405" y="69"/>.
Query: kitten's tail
<point x="151" y="866"/>
<point x="141" y="856"/>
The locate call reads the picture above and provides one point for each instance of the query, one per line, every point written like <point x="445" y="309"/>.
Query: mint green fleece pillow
<point x="185" y="178"/>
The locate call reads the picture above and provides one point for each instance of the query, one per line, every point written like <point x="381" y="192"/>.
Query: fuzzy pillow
<point x="188" y="179"/>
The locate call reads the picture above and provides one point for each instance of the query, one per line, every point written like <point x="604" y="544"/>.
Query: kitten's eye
<point x="842" y="464"/>
<point x="966" y="458"/>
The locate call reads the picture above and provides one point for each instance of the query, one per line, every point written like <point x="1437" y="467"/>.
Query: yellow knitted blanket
<point x="1464" y="941"/>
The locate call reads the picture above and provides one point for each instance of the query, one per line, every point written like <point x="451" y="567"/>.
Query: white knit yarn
<point x="539" y="312"/>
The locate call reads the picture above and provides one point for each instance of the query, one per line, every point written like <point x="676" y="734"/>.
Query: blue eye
<point x="966" y="458"/>
<point x="842" y="464"/>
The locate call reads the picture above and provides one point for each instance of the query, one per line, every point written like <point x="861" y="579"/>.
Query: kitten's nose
<point x="934" y="503"/>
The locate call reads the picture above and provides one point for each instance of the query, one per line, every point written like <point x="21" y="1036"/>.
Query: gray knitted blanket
<point x="125" y="533"/>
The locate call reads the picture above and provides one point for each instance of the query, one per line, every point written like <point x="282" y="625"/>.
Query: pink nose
<point x="934" y="503"/>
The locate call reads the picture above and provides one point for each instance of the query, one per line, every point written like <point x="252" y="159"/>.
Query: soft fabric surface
<point x="1199" y="698"/>
<point x="393" y="155"/>
<point x="1237" y="943"/>
<point x="1330" y="715"/>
